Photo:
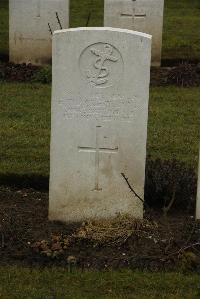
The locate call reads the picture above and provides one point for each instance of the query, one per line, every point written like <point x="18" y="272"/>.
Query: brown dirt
<point x="156" y="243"/>
<point x="17" y="72"/>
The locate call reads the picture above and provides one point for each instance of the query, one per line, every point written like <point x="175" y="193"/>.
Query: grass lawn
<point x="24" y="128"/>
<point x="173" y="129"/>
<point x="181" y="36"/>
<point x="18" y="282"/>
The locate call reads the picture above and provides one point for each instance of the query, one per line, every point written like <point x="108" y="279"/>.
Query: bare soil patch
<point x="156" y="243"/>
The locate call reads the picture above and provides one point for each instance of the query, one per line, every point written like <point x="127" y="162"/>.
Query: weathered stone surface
<point x="198" y="192"/>
<point x="99" y="122"/>
<point x="30" y="40"/>
<point x="139" y="15"/>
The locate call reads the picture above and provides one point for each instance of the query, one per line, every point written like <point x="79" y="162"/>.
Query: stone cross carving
<point x="140" y="15"/>
<point x="38" y="9"/>
<point x="97" y="150"/>
<point x="133" y="13"/>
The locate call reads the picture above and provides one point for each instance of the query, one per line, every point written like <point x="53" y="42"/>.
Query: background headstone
<point x="198" y="192"/>
<point x="139" y="15"/>
<point x="30" y="40"/>
<point x="99" y="122"/>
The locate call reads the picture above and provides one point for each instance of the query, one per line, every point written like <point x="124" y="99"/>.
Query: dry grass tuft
<point x="112" y="231"/>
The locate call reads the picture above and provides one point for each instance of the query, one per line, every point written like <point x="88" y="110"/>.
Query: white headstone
<point x="99" y="122"/>
<point x="30" y="40"/>
<point x="198" y="193"/>
<point x="139" y="15"/>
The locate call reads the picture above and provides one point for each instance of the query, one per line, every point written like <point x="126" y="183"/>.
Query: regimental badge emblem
<point x="101" y="65"/>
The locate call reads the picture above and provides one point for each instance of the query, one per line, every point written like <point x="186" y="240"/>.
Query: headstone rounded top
<point x="111" y="29"/>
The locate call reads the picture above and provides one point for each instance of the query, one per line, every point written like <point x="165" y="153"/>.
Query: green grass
<point x="24" y="128"/>
<point x="181" y="35"/>
<point x="18" y="282"/>
<point x="174" y="123"/>
<point x="80" y="10"/>
<point x="173" y="129"/>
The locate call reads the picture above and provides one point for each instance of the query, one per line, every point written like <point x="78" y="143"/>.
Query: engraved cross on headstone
<point x="131" y="12"/>
<point x="97" y="150"/>
<point x="38" y="9"/>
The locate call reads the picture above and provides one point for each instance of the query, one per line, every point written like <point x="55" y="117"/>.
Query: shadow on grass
<point x="165" y="180"/>
<point x="37" y="182"/>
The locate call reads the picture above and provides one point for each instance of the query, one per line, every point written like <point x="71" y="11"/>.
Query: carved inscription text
<point x="100" y="107"/>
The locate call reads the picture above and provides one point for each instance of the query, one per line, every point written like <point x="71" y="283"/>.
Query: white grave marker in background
<point x="139" y="15"/>
<point x="30" y="40"/>
<point x="99" y="122"/>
